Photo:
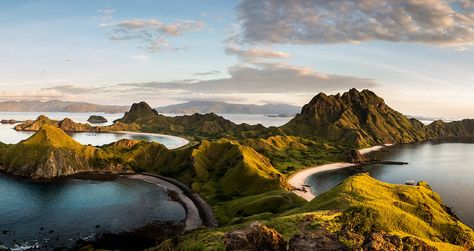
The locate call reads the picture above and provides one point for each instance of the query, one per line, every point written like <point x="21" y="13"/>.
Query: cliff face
<point x="356" y="118"/>
<point x="49" y="153"/>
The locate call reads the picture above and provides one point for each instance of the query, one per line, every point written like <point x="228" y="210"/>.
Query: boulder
<point x="256" y="237"/>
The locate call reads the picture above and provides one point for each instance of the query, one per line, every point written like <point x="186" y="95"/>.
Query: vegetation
<point x="353" y="212"/>
<point x="241" y="170"/>
<point x="290" y="153"/>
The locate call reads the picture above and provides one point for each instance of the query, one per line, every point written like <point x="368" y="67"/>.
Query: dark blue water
<point x="447" y="167"/>
<point x="61" y="213"/>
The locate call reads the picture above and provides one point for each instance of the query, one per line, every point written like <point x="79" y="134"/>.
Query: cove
<point x="59" y="214"/>
<point x="447" y="167"/>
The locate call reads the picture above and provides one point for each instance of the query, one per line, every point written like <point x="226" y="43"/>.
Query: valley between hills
<point x="241" y="171"/>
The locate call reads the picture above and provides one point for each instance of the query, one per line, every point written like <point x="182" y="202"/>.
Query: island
<point x="243" y="172"/>
<point x="96" y="119"/>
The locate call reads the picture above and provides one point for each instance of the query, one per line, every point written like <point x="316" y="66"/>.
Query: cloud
<point x="263" y="78"/>
<point x="73" y="89"/>
<point x="152" y="34"/>
<point x="255" y="53"/>
<point x="254" y="83"/>
<point x="207" y="73"/>
<point x="442" y="22"/>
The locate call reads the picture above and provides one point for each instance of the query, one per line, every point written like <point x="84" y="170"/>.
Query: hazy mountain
<point x="223" y="107"/>
<point x="58" y="106"/>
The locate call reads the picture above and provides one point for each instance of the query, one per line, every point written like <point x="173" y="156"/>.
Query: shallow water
<point x="65" y="212"/>
<point x="447" y="167"/>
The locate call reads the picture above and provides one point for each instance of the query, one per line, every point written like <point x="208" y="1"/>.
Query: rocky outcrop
<point x="320" y="239"/>
<point x="256" y="237"/>
<point x="96" y="119"/>
<point x="381" y="241"/>
<point x="354" y="156"/>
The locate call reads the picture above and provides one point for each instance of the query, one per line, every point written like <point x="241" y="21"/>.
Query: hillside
<point x="359" y="214"/>
<point x="49" y="153"/>
<point x="455" y="129"/>
<point x="66" y="125"/>
<point x="58" y="106"/>
<point x="143" y="118"/>
<point x="227" y="108"/>
<point x="235" y="179"/>
<point x="361" y="119"/>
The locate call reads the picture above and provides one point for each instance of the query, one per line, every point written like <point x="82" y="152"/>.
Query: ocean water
<point x="59" y="214"/>
<point x="447" y="167"/>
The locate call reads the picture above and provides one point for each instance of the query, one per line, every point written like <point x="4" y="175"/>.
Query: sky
<point x="417" y="55"/>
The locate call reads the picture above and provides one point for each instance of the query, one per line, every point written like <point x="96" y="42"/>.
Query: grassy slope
<point x="360" y="205"/>
<point x="31" y="156"/>
<point x="236" y="180"/>
<point x="290" y="153"/>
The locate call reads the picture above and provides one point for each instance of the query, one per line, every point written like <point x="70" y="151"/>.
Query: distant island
<point x="228" y="108"/>
<point x="58" y="106"/>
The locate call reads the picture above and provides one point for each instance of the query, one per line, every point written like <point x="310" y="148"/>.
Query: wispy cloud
<point x="252" y="54"/>
<point x="439" y="22"/>
<point x="151" y="34"/>
<point x="207" y="73"/>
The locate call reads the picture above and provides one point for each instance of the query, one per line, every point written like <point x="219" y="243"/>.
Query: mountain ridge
<point x="191" y="107"/>
<point x="58" y="106"/>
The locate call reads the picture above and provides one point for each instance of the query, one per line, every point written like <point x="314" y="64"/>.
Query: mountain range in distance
<point x="59" y="106"/>
<point x="190" y="107"/>
<point x="220" y="107"/>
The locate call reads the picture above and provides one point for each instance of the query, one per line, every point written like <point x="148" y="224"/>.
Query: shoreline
<point x="298" y="179"/>
<point x="193" y="219"/>
<point x="182" y="141"/>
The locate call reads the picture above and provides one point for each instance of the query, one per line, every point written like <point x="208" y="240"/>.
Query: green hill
<point x="356" y="118"/>
<point x="455" y="129"/>
<point x="142" y="117"/>
<point x="359" y="214"/>
<point x="66" y="125"/>
<point x="49" y="153"/>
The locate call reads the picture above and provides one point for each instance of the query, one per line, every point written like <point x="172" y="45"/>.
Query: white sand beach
<point x="298" y="179"/>
<point x="182" y="141"/>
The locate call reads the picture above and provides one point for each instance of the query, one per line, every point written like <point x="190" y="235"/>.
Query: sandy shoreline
<point x="298" y="179"/>
<point x="182" y="141"/>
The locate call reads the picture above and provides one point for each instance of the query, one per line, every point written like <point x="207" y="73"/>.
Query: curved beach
<point x="298" y="179"/>
<point x="182" y="141"/>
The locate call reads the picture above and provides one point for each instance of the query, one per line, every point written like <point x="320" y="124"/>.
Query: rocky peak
<point x="138" y="111"/>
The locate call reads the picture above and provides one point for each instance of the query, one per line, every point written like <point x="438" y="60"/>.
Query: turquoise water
<point x="447" y="167"/>
<point x="59" y="214"/>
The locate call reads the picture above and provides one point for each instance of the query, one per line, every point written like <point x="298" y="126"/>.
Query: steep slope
<point x="49" y="153"/>
<point x="227" y="108"/>
<point x="455" y="129"/>
<point x="356" y="118"/>
<point x="138" y="111"/>
<point x="228" y="169"/>
<point x="58" y="106"/>
<point x="359" y="214"/>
